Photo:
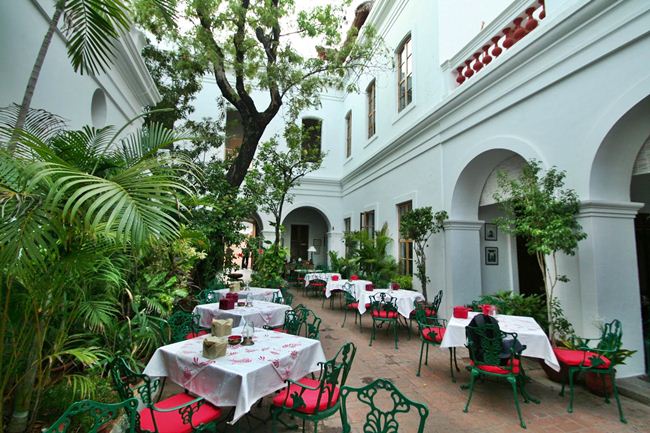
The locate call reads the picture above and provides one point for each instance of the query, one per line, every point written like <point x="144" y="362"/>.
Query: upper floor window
<point x="404" y="74"/>
<point x="370" y="91"/>
<point x="311" y="138"/>
<point x="348" y="134"/>
<point x="347" y="228"/>
<point x="234" y="132"/>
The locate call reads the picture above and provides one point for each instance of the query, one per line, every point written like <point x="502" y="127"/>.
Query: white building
<point x="112" y="98"/>
<point x="573" y="92"/>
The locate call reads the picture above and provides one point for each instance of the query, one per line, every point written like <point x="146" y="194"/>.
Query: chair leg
<point x="426" y="358"/>
<point x="602" y="381"/>
<point x="570" y="408"/>
<point x="420" y="363"/>
<point x="345" y="316"/>
<point x="618" y="401"/>
<point x="472" y="379"/>
<point x="372" y="333"/>
<point x="395" y="334"/>
<point x="513" y="383"/>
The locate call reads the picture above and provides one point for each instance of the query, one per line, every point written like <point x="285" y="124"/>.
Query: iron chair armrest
<point x="176" y="408"/>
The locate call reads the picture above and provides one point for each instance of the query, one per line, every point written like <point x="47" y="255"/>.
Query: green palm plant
<point x="75" y="205"/>
<point x="91" y="29"/>
<point x="370" y="252"/>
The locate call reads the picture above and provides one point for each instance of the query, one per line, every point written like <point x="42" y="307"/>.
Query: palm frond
<point x="38" y="123"/>
<point x="91" y="28"/>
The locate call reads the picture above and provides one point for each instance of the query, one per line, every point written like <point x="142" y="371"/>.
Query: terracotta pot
<point x="594" y="383"/>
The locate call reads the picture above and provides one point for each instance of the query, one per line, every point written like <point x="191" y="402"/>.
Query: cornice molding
<point x="463" y="225"/>
<point x="609" y="209"/>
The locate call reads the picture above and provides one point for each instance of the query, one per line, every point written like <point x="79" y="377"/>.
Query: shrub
<point x="516" y="305"/>
<point x="404" y="281"/>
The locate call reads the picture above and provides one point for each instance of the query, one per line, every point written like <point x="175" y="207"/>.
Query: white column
<point x="462" y="263"/>
<point x="335" y="243"/>
<point x="609" y="280"/>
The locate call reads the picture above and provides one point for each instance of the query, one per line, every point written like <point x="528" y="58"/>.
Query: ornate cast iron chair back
<point x="293" y="320"/>
<point x="378" y="420"/>
<point x="485" y="345"/>
<point x="207" y="296"/>
<point x="383" y="302"/>
<point x="182" y="324"/>
<point x="437" y="300"/>
<point x="100" y="413"/>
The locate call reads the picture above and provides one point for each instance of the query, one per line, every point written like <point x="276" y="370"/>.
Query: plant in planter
<point x="538" y="209"/>
<point x="419" y="225"/>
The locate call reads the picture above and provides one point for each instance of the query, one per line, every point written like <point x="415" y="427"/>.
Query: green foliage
<point x="539" y="210"/>
<point x="419" y="225"/>
<point x="562" y="328"/>
<point x="276" y="172"/>
<point x="371" y="254"/>
<point x="83" y="208"/>
<point x="268" y="266"/>
<point x="346" y="266"/>
<point x="404" y="281"/>
<point x="242" y="45"/>
<point x="516" y="305"/>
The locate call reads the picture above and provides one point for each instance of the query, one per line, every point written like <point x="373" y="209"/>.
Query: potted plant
<point x="539" y="210"/>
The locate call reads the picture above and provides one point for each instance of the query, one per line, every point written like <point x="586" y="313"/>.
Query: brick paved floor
<point x="492" y="409"/>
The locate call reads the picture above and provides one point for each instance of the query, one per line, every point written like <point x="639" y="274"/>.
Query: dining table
<point x="254" y="293"/>
<point x="404" y="299"/>
<point x="245" y="374"/>
<point x="260" y="313"/>
<point x="325" y="276"/>
<point x="529" y="333"/>
<point x="353" y="286"/>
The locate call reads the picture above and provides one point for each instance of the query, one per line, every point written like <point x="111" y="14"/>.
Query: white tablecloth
<point x="245" y="374"/>
<point x="356" y="286"/>
<point x="405" y="299"/>
<point x="528" y="332"/>
<point x="325" y="276"/>
<point x="255" y="293"/>
<point x="260" y="314"/>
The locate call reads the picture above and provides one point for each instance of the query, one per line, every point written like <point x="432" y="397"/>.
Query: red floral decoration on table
<point x="276" y="363"/>
<point x="241" y="361"/>
<point x="294" y="354"/>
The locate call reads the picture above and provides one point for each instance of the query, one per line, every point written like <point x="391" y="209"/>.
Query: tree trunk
<point x="24" y="387"/>
<point x="252" y="133"/>
<point x="36" y="71"/>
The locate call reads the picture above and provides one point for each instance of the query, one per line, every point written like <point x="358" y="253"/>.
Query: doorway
<point x="299" y="241"/>
<point x="642" y="230"/>
<point x="531" y="281"/>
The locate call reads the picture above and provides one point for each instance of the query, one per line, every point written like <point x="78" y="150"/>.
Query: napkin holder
<point x="214" y="347"/>
<point x="489" y="310"/>
<point x="460" y="312"/>
<point x="226" y="304"/>
<point x="235" y="287"/>
<point x="335" y="277"/>
<point x="221" y="328"/>
<point x="233" y="295"/>
<point x="370" y="287"/>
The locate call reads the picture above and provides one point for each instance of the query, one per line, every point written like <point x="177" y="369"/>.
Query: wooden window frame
<point x="404" y="58"/>
<point x="364" y="222"/>
<point x="372" y="125"/>
<point x="309" y="145"/>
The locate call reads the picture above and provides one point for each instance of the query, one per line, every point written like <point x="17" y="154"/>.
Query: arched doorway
<point x="616" y="221"/>
<point x="480" y="258"/>
<point x="306" y="235"/>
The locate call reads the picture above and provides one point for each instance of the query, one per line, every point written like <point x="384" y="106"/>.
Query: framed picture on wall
<point x="317" y="243"/>
<point x="491" y="255"/>
<point x="490" y="232"/>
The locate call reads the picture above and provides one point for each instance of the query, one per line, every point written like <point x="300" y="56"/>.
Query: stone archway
<point x="466" y="268"/>
<point x="608" y="261"/>
<point x="307" y="228"/>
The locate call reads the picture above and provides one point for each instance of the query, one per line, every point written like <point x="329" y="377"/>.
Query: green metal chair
<point x="98" y="414"/>
<point x="293" y="321"/>
<point x="383" y="311"/>
<point x="431" y="310"/>
<point x="315" y="399"/>
<point x="311" y="323"/>
<point x="352" y="305"/>
<point x="180" y="412"/>
<point x="379" y="420"/>
<point x="431" y="331"/>
<point x="316" y="288"/>
<point x="485" y="345"/>
<point x="184" y="326"/>
<point x="597" y="360"/>
<point x="207" y="296"/>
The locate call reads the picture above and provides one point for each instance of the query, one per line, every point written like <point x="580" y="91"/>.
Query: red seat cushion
<point x="576" y="357"/>
<point x="309" y="396"/>
<point x="284" y="331"/>
<point x="355" y="305"/>
<point x="172" y="422"/>
<point x="195" y="334"/>
<point x="499" y="370"/>
<point x="385" y="314"/>
<point x="434" y="333"/>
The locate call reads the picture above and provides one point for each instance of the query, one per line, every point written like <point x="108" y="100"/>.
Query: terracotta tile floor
<point x="492" y="409"/>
